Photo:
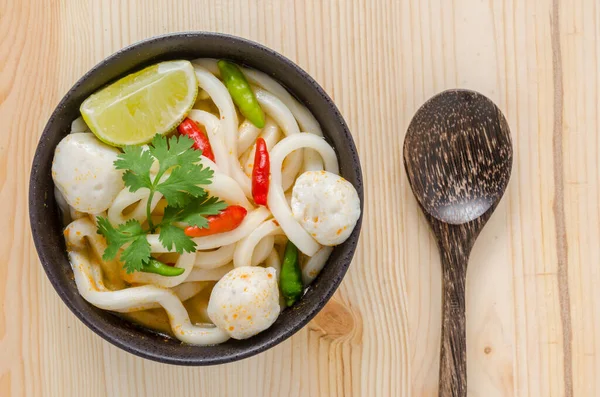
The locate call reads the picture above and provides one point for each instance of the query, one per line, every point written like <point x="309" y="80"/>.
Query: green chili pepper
<point x="241" y="93"/>
<point x="155" y="266"/>
<point x="290" y="278"/>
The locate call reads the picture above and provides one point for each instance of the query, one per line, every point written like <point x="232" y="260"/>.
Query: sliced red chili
<point x="190" y="128"/>
<point x="229" y="219"/>
<point x="260" y="173"/>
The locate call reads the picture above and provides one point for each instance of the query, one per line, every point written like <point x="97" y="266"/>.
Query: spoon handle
<point x="453" y="355"/>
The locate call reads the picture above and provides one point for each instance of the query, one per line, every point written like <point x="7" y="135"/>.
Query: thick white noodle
<point x="79" y="125"/>
<point x="98" y="244"/>
<point x="209" y="64"/>
<point x="315" y="264"/>
<point x="262" y="250"/>
<point x="245" y="247"/>
<point x="96" y="274"/>
<point x="307" y="122"/>
<point x="133" y="297"/>
<point x="126" y="198"/>
<point x="247" y="160"/>
<point x="247" y="134"/>
<point x="208" y="163"/>
<point x="210" y="274"/>
<point x="305" y="118"/>
<point x="213" y="259"/>
<point x="183" y="291"/>
<point x="312" y="161"/>
<point x="282" y="116"/>
<point x="222" y="186"/>
<point x="227" y="189"/>
<point x="276" y="198"/>
<point x="187" y="291"/>
<point x="228" y="123"/>
<point x="211" y="124"/>
<point x="185" y="261"/>
<point x="251" y="222"/>
<point x="271" y="135"/>
<point x="274" y="262"/>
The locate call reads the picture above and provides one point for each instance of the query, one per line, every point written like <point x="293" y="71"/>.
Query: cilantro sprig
<point x="174" y="155"/>
<point x="178" y="179"/>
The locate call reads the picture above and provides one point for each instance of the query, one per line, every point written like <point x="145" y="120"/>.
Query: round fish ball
<point x="326" y="205"/>
<point x="245" y="301"/>
<point x="84" y="173"/>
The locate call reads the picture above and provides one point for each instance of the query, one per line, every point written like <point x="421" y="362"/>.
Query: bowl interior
<point x="47" y="229"/>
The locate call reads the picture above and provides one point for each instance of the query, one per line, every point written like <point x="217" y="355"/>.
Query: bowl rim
<point x="122" y="343"/>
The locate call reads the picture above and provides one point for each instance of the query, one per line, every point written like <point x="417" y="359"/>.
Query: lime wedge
<point x="133" y="109"/>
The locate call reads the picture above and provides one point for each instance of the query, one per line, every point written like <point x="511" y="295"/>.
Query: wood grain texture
<point x="379" y="60"/>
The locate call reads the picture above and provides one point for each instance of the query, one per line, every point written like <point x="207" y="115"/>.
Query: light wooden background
<point x="533" y="289"/>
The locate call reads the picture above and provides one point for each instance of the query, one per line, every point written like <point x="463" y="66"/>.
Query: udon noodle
<point x="297" y="152"/>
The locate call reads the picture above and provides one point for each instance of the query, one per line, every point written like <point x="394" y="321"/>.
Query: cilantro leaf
<point x="114" y="239"/>
<point x="137" y="163"/>
<point x="183" y="183"/>
<point x="194" y="215"/>
<point x="195" y="212"/>
<point x="132" y="233"/>
<point x="171" y="235"/>
<point x="174" y="151"/>
<point x="136" y="254"/>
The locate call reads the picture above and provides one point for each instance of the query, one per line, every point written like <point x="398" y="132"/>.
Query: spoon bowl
<point x="458" y="157"/>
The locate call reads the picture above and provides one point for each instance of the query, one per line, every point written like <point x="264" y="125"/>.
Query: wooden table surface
<point x="533" y="302"/>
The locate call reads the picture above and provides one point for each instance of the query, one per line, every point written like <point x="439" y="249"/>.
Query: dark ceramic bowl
<point x="47" y="229"/>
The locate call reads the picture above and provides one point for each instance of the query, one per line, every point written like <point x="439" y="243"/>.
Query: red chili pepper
<point x="260" y="173"/>
<point x="227" y="220"/>
<point x="190" y="128"/>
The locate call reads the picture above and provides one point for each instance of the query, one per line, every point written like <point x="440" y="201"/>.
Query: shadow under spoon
<point x="458" y="157"/>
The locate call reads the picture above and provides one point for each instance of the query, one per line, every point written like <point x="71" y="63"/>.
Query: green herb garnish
<point x="178" y="179"/>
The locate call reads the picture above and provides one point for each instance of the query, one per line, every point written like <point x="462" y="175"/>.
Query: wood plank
<point x="380" y="60"/>
<point x="580" y="43"/>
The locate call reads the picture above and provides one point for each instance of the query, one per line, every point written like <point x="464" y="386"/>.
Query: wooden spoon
<point x="458" y="156"/>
